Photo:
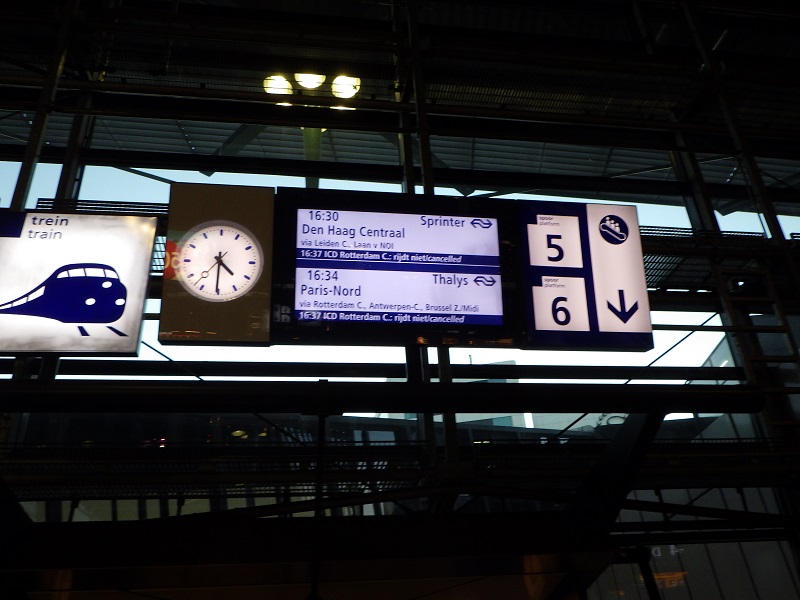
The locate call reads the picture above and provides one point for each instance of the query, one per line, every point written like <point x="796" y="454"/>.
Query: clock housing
<point x="219" y="261"/>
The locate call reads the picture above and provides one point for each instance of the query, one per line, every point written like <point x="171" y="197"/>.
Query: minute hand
<point x="218" y="259"/>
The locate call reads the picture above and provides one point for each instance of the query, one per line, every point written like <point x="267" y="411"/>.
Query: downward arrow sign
<point x="622" y="314"/>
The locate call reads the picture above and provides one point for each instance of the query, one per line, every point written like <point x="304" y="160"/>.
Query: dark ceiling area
<point x="581" y="98"/>
<point x="687" y="103"/>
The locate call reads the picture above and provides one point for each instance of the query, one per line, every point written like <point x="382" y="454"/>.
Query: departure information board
<point x="383" y="269"/>
<point x="386" y="267"/>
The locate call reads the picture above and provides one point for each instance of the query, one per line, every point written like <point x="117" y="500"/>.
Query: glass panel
<point x="44" y="184"/>
<point x="781" y="177"/>
<point x="708" y="571"/>
<point x="9" y="172"/>
<point x="738" y="213"/>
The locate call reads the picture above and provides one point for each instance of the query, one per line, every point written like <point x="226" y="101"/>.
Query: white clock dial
<point x="219" y="261"/>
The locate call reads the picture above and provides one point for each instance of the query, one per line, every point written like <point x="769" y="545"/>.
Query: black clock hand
<point x="224" y="266"/>
<point x="218" y="258"/>
<point x="204" y="274"/>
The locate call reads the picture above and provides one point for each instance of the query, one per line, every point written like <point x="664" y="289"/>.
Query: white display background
<point x="445" y="236"/>
<point x="414" y="291"/>
<point x="559" y="304"/>
<point x="618" y="268"/>
<point x="340" y="252"/>
<point x="555" y="241"/>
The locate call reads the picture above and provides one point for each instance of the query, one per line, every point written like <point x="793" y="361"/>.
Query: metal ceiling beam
<point x="339" y="397"/>
<point x="253" y="107"/>
<point x="274" y="29"/>
<point x="200" y="369"/>
<point x="776" y="9"/>
<point x="724" y="517"/>
<point x="359" y="474"/>
<point x="236" y="142"/>
<point x="138" y="100"/>
<point x="666" y="192"/>
<point x="182" y="542"/>
<point x="210" y="24"/>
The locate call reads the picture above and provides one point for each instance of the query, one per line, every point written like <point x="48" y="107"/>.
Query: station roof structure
<point x="653" y="101"/>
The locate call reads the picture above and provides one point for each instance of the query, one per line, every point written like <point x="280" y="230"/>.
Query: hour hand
<point x="218" y="258"/>
<point x="224" y="266"/>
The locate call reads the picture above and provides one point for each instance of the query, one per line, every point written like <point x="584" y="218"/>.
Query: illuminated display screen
<point x="373" y="268"/>
<point x="397" y="268"/>
<point x="73" y="283"/>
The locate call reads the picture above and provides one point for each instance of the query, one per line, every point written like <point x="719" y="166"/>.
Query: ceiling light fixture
<point x="345" y="86"/>
<point x="310" y="81"/>
<point x="278" y="84"/>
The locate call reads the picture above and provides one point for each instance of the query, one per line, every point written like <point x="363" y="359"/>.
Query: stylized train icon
<point x="76" y="293"/>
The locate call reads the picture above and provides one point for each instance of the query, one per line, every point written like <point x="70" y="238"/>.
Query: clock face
<point x="219" y="261"/>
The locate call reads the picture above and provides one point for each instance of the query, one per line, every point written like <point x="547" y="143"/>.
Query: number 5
<point x="551" y="244"/>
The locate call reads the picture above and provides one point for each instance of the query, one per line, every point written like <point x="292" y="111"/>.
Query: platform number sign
<point x="584" y="275"/>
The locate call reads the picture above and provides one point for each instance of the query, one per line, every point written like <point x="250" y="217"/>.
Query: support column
<point x="755" y="181"/>
<point x="599" y="498"/>
<point x="69" y="183"/>
<point x="779" y="405"/>
<point x="698" y="204"/>
<point x="411" y="72"/>
<point x="312" y="150"/>
<point x="450" y="466"/>
<point x="33" y="149"/>
<point x="448" y="419"/>
<point x="315" y="567"/>
<point x="418" y="81"/>
<point x="748" y="163"/>
<point x="684" y="163"/>
<point x="402" y="95"/>
<point x="417" y="371"/>
<point x="643" y="560"/>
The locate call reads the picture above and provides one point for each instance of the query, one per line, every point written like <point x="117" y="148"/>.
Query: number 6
<point x="560" y="313"/>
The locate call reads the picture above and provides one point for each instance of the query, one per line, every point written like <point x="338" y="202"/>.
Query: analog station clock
<point x="219" y="261"/>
